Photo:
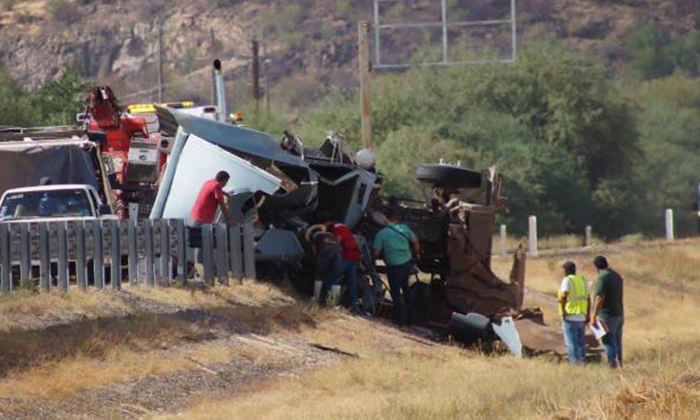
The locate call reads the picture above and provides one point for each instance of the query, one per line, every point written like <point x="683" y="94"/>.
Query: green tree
<point x="15" y="107"/>
<point x="555" y="124"/>
<point x="58" y="101"/>
<point x="669" y="172"/>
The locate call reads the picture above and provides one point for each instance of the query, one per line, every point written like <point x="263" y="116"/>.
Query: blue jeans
<point x="349" y="270"/>
<point x="574" y="337"/>
<point x="400" y="293"/>
<point x="612" y="341"/>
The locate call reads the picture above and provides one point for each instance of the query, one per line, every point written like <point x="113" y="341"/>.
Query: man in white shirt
<point x="574" y="309"/>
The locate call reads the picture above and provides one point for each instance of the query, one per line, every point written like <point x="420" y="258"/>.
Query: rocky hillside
<point x="311" y="43"/>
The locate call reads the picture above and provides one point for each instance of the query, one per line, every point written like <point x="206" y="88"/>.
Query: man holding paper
<point x="609" y="307"/>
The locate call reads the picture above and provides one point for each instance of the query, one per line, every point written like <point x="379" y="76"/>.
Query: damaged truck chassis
<point x="292" y="189"/>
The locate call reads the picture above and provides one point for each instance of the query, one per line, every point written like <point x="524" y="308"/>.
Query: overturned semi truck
<point x="292" y="188"/>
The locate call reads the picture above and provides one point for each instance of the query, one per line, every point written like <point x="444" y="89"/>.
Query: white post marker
<point x="589" y="233"/>
<point x="504" y="241"/>
<point x="669" y="225"/>
<point x="532" y="234"/>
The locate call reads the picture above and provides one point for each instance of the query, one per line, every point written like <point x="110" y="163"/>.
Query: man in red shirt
<point x="350" y="261"/>
<point x="209" y="199"/>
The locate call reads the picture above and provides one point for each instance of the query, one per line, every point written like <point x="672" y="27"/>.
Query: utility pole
<point x="266" y="74"/>
<point x="160" y="61"/>
<point x="256" y="74"/>
<point x="365" y="80"/>
<point x="213" y="72"/>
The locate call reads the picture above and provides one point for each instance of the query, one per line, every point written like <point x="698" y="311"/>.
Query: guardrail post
<point x="116" y="251"/>
<point x="132" y="239"/>
<point x="5" y="260"/>
<point x="98" y="261"/>
<point x="589" y="233"/>
<point x="80" y="255"/>
<point x="150" y="253"/>
<point x="181" y="231"/>
<point x="236" y="252"/>
<point x="62" y="237"/>
<point x="669" y="225"/>
<point x="504" y="240"/>
<point x="164" y="252"/>
<point x="532" y="235"/>
<point x="44" y="258"/>
<point x="249" y="251"/>
<point x="208" y="253"/>
<point x="25" y="253"/>
<point x="222" y="253"/>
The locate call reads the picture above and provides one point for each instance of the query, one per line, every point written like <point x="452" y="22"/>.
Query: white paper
<point x="598" y="330"/>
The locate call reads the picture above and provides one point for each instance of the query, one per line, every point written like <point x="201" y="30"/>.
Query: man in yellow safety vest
<point x="574" y="309"/>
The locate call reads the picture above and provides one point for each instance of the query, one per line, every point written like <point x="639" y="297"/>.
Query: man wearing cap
<point x="574" y="311"/>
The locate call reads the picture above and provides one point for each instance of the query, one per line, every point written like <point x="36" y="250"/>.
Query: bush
<point x="55" y="103"/>
<point x="15" y="106"/>
<point x="8" y="5"/>
<point x="64" y="11"/>
<point x="654" y="53"/>
<point x="58" y="101"/>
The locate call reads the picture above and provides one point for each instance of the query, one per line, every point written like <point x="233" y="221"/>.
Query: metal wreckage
<point x="154" y="166"/>
<point x="294" y="189"/>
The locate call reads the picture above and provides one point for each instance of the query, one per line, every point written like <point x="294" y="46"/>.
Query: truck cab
<point x="51" y="203"/>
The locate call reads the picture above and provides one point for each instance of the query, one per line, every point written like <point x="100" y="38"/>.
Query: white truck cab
<point x="51" y="203"/>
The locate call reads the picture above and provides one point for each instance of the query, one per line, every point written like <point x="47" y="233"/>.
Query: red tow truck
<point x="133" y="156"/>
<point x="133" y="149"/>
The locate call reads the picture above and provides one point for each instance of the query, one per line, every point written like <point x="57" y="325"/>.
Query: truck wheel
<point x="449" y="176"/>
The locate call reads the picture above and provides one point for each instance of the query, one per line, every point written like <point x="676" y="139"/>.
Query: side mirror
<point x="105" y="210"/>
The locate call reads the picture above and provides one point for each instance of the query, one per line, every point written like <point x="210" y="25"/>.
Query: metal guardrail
<point x="99" y="253"/>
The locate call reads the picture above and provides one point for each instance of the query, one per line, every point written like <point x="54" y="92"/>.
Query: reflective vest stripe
<point x="577" y="299"/>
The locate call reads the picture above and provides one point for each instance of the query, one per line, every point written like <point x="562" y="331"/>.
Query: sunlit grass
<point x="397" y="379"/>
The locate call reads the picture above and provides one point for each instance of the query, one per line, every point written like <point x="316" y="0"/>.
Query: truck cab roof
<point x="57" y="187"/>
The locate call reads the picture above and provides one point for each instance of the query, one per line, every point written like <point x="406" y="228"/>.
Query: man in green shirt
<point x="609" y="307"/>
<point x="397" y="244"/>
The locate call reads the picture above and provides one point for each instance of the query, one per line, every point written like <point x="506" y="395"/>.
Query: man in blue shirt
<point x="397" y="245"/>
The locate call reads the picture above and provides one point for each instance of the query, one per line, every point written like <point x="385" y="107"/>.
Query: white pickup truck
<point x="53" y="203"/>
<point x="70" y="203"/>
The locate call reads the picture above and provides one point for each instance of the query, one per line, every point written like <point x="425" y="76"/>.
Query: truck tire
<point x="449" y="176"/>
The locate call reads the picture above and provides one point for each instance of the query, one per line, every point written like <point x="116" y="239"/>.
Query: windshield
<point x="39" y="204"/>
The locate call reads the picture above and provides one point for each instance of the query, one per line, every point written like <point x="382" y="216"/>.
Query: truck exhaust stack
<point x="220" y="89"/>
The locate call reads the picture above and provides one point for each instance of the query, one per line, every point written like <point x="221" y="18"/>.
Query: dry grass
<point x="26" y="310"/>
<point x="83" y="372"/>
<point x="113" y="342"/>
<point x="20" y="350"/>
<point x="396" y="376"/>
<point x="439" y="383"/>
<point x="400" y="379"/>
<point x="193" y="297"/>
